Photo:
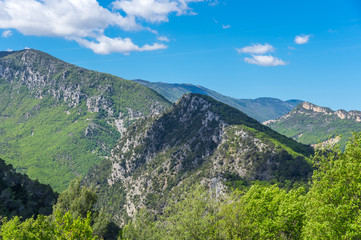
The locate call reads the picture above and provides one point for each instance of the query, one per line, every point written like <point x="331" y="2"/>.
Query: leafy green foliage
<point x="79" y="201"/>
<point x="64" y="226"/>
<point x="192" y="216"/>
<point x="334" y="200"/>
<point x="73" y="217"/>
<point x="263" y="212"/>
<point x="22" y="196"/>
<point x="76" y="199"/>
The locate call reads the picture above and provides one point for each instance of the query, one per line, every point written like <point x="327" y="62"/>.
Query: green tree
<point x="79" y="200"/>
<point x="263" y="212"/>
<point x="63" y="227"/>
<point x="143" y="226"/>
<point x="334" y="200"/>
<point x="76" y="199"/>
<point x="192" y="216"/>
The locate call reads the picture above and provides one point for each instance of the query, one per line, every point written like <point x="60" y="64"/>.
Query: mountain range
<point x="261" y="109"/>
<point x="197" y="140"/>
<point x="142" y="145"/>
<point x="57" y="120"/>
<point x="312" y="124"/>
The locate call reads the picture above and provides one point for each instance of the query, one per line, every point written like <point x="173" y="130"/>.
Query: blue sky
<point x="308" y="50"/>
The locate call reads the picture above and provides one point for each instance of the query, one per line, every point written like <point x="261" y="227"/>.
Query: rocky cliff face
<point x="63" y="106"/>
<point x="312" y="109"/>
<point x="45" y="75"/>
<point x="312" y="124"/>
<point x="199" y="140"/>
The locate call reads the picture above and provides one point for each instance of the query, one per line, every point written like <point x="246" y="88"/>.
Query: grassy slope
<point x="45" y="137"/>
<point x="50" y="145"/>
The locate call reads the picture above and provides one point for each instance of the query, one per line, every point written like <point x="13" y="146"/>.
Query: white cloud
<point x="256" y="49"/>
<point x="86" y="21"/>
<point x="291" y="48"/>
<point x="60" y="18"/>
<point x="213" y="2"/>
<point x="163" y="39"/>
<point x="6" y="33"/>
<point x="106" y="45"/>
<point x="226" y="26"/>
<point x="156" y="10"/>
<point x="149" y="10"/>
<point x="265" y="60"/>
<point x="302" y="39"/>
<point x="26" y="48"/>
<point x="9" y="50"/>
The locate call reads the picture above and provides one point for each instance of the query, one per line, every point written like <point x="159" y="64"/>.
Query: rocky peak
<point x="197" y="140"/>
<point x="342" y="114"/>
<point x="42" y="74"/>
<point x="308" y="108"/>
<point x="45" y="75"/>
<point x="315" y="108"/>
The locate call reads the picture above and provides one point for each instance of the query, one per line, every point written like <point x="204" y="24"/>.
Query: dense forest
<point x="328" y="207"/>
<point x="21" y="196"/>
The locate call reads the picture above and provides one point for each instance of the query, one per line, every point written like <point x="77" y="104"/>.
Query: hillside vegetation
<point x="57" y="120"/>
<point x="311" y="124"/>
<point x="330" y="209"/>
<point x="327" y="208"/>
<point x="21" y="196"/>
<point x="198" y="140"/>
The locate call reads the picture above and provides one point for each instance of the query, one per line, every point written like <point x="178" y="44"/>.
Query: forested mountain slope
<point x="261" y="109"/>
<point x="312" y="124"/>
<point x="57" y="120"/>
<point x="21" y="196"/>
<point x="198" y="140"/>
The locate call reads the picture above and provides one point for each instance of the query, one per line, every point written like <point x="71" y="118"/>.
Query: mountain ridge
<point x="261" y="109"/>
<point x="57" y="119"/>
<point x="309" y="123"/>
<point x="198" y="140"/>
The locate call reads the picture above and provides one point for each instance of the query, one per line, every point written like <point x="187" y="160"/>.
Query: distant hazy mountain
<point x="57" y="120"/>
<point x="197" y="140"/>
<point x="261" y="109"/>
<point x="311" y="124"/>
